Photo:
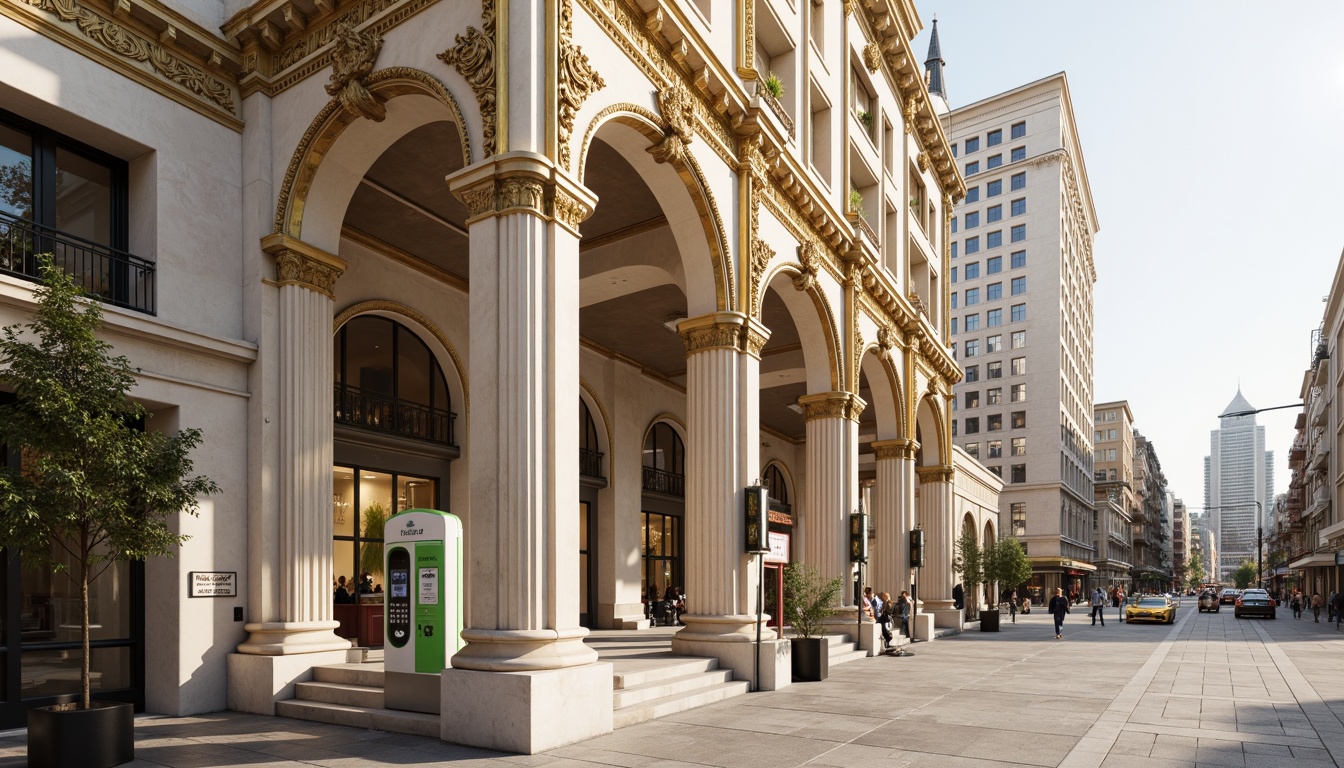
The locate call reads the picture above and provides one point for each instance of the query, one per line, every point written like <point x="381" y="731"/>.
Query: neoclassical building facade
<point x="577" y="271"/>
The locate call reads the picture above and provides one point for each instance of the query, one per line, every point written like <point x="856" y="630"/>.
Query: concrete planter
<point x="811" y="658"/>
<point x="99" y="737"/>
<point x="989" y="620"/>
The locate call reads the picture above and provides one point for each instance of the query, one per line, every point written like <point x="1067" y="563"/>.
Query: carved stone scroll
<point x="351" y="63"/>
<point x="577" y="79"/>
<point x="474" y="58"/>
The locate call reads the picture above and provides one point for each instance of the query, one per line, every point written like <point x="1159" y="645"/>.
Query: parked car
<point x="1229" y="596"/>
<point x="1151" y="608"/>
<point x="1208" y="601"/>
<point x="1255" y="602"/>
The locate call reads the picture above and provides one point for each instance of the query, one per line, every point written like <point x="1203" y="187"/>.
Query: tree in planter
<point x="970" y="562"/>
<point x="1006" y="564"/>
<point x="91" y="484"/>
<point x="808" y="599"/>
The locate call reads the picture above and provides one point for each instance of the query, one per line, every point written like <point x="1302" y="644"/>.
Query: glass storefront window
<point x="362" y="500"/>
<point x="56" y="673"/>
<point x="49" y="609"/>
<point x="83" y="197"/>
<point x="16" y="173"/>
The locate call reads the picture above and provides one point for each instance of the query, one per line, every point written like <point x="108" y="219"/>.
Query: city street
<point x="1211" y="690"/>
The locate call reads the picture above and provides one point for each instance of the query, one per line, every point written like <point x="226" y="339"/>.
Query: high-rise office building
<point x="1021" y="306"/>
<point x="1238" y="484"/>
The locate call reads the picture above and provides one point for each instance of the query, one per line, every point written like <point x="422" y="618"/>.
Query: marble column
<point x="935" y="516"/>
<point x="893" y="514"/>
<point x="831" y="493"/>
<point x="305" y="276"/>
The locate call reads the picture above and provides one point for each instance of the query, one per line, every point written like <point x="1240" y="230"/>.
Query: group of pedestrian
<point x="889" y="614"/>
<point x="1333" y="606"/>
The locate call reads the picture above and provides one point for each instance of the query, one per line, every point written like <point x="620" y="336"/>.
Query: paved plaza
<point x="1212" y="690"/>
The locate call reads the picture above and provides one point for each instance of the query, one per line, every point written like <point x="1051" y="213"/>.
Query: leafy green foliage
<point x="808" y="599"/>
<point x="1006" y="564"/>
<point x="971" y="563"/>
<point x="371" y="555"/>
<point x="1194" y="570"/>
<point x="91" y="482"/>
<point x="1244" y="575"/>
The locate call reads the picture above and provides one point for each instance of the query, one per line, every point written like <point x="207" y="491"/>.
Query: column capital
<point x="522" y="182"/>
<point x="938" y="473"/>
<point x="900" y="448"/>
<point x="832" y="405"/>
<point x="298" y="263"/>
<point x="723" y="330"/>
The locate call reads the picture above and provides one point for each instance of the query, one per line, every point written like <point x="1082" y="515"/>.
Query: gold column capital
<point x="723" y="330"/>
<point x="298" y="263"/>
<point x="832" y="405"/>
<point x="522" y="182"/>
<point x="900" y="448"/>
<point x="937" y="473"/>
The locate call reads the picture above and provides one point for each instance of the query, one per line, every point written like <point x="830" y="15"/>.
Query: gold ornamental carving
<point x="935" y="474"/>
<point x="521" y="193"/>
<point x="569" y="210"/>
<point x="577" y="79"/>
<point x="295" y="268"/>
<point x="832" y="405"/>
<point x="872" y="57"/>
<point x="900" y="448"/>
<point x="809" y="257"/>
<point x="922" y="160"/>
<point x="527" y="194"/>
<point x="675" y="102"/>
<point x="474" y="58"/>
<point x="351" y="62"/>
<point x="125" y="42"/>
<point x="715" y="336"/>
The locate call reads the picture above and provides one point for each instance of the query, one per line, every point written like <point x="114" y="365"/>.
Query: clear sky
<point x="1214" y="140"/>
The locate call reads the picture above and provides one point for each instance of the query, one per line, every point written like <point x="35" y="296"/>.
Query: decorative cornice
<point x="351" y="62"/>
<point x="577" y="79"/>
<point x="474" y="58"/>
<point x="298" y="263"/>
<point x="832" y="405"/>
<point x="936" y="474"/>
<point x="153" y="46"/>
<point x="900" y="448"/>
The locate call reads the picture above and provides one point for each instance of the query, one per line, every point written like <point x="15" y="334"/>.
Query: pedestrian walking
<point x="1122" y="598"/>
<point x="1012" y="605"/>
<point x="1098" y="605"/>
<point x="903" y="613"/>
<point x="885" y="611"/>
<point x="1059" y="606"/>
<point x="1330" y="606"/>
<point x="1296" y="604"/>
<point x="1316" y="603"/>
<point x="1337" y="604"/>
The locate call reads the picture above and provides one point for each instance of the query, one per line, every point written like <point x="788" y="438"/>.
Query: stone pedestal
<point x="256" y="683"/>
<point x="950" y="617"/>
<point x="921" y="626"/>
<point x="526" y="712"/>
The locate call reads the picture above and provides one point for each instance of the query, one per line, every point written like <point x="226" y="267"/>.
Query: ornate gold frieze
<point x="936" y="474"/>
<point x="351" y="62"/>
<point x="120" y="42"/>
<point x="900" y="448"/>
<point x="674" y="102"/>
<point x="577" y="79"/>
<point x="297" y="263"/>
<point x="474" y="58"/>
<point x="832" y="405"/>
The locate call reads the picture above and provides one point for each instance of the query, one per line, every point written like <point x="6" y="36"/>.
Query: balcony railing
<point x="380" y="413"/>
<point x="114" y="276"/>
<point x="664" y="482"/>
<point x="590" y="463"/>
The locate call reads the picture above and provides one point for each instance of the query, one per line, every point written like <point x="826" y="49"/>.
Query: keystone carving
<point x="675" y="104"/>
<point x="351" y="63"/>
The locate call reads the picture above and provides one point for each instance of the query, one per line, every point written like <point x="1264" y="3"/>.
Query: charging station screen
<point x="398" y="598"/>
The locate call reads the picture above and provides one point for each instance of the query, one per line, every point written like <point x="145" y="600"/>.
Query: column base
<point x="257" y="682"/>
<point x="866" y="635"/>
<point x="526" y="712"/>
<point x="949" y="617"/>
<point x="921" y="626"/>
<point x="622" y="616"/>
<point x="286" y="638"/>
<point x="732" y="640"/>
<point x="523" y="650"/>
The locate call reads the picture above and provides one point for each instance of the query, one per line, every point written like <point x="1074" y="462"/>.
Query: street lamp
<point x="1259" y="513"/>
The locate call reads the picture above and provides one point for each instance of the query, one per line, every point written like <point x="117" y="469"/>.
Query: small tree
<point x="371" y="553"/>
<point x="971" y="563"/>
<point x="808" y="599"/>
<point x="93" y="482"/>
<point x="1006" y="564"/>
<point x="1244" y="575"/>
<point x="1194" y="570"/>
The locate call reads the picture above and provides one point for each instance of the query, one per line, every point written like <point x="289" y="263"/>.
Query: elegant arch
<point x="428" y="331"/>
<point x="887" y="402"/>
<point x="811" y="311"/>
<point x="333" y="121"/>
<point x="595" y="406"/>
<point x="929" y="420"/>
<point x="790" y="484"/>
<point x="716" y="274"/>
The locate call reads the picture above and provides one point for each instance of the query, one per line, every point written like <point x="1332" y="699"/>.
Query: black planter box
<point x="989" y="620"/>
<point x="100" y="737"/>
<point x="811" y="658"/>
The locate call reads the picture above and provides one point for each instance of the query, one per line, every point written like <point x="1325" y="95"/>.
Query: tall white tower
<point x="1238" y="475"/>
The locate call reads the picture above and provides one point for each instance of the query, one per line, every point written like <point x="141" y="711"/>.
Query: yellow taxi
<point x="1152" y="608"/>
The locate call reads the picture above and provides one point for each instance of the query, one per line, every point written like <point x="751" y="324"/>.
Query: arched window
<point x="777" y="488"/>
<point x="590" y="453"/>
<point x="387" y="380"/>
<point x="664" y="461"/>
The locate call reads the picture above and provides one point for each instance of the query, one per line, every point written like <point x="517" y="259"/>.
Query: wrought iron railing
<point x="662" y="481"/>
<point x="590" y="463"/>
<point x="368" y="410"/>
<point x="114" y="276"/>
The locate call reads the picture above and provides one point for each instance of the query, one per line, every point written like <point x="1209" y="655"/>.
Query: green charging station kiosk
<point x="422" y="552"/>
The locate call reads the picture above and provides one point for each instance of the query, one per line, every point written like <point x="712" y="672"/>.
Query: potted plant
<point x="774" y="86"/>
<point x="371" y="552"/>
<point x="94" y="485"/>
<point x="808" y="601"/>
<point x="1006" y="565"/>
<point x="855" y="204"/>
<point x="970" y="562"/>
<point x="866" y="118"/>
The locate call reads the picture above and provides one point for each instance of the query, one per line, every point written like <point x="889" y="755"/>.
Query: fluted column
<point x="722" y="458"/>
<point x="935" y="516"/>
<point x="893" y="514"/>
<point x="523" y="528"/>
<point x="832" y="462"/>
<point x="305" y="276"/>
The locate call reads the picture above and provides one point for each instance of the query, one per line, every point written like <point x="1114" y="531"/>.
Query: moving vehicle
<point x="1208" y="601"/>
<point x="1151" y="608"/>
<point x="1255" y="602"/>
<point x="1229" y="596"/>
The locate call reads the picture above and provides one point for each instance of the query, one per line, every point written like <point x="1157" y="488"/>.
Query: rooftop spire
<point x="933" y="68"/>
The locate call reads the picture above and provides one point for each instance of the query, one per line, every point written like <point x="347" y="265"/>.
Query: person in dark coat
<point x="958" y="596"/>
<point x="1059" y="606"/>
<point x="1337" y="602"/>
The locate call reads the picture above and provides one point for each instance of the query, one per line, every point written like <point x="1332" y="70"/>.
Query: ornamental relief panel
<point x="474" y="58"/>
<point x="577" y="79"/>
<point x="351" y="62"/>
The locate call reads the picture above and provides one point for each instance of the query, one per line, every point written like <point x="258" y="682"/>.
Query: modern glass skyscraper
<point x="1238" y="474"/>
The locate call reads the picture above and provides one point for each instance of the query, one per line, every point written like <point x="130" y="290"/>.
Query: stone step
<point x="340" y="693"/>
<point x="666" y="687"/>
<point x="841" y="651"/>
<point x="368" y="718"/>
<point x="679" y="703"/>
<point x="679" y="668"/>
<point x="367" y="675"/>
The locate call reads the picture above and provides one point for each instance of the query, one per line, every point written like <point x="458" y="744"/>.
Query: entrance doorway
<point x="774" y="594"/>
